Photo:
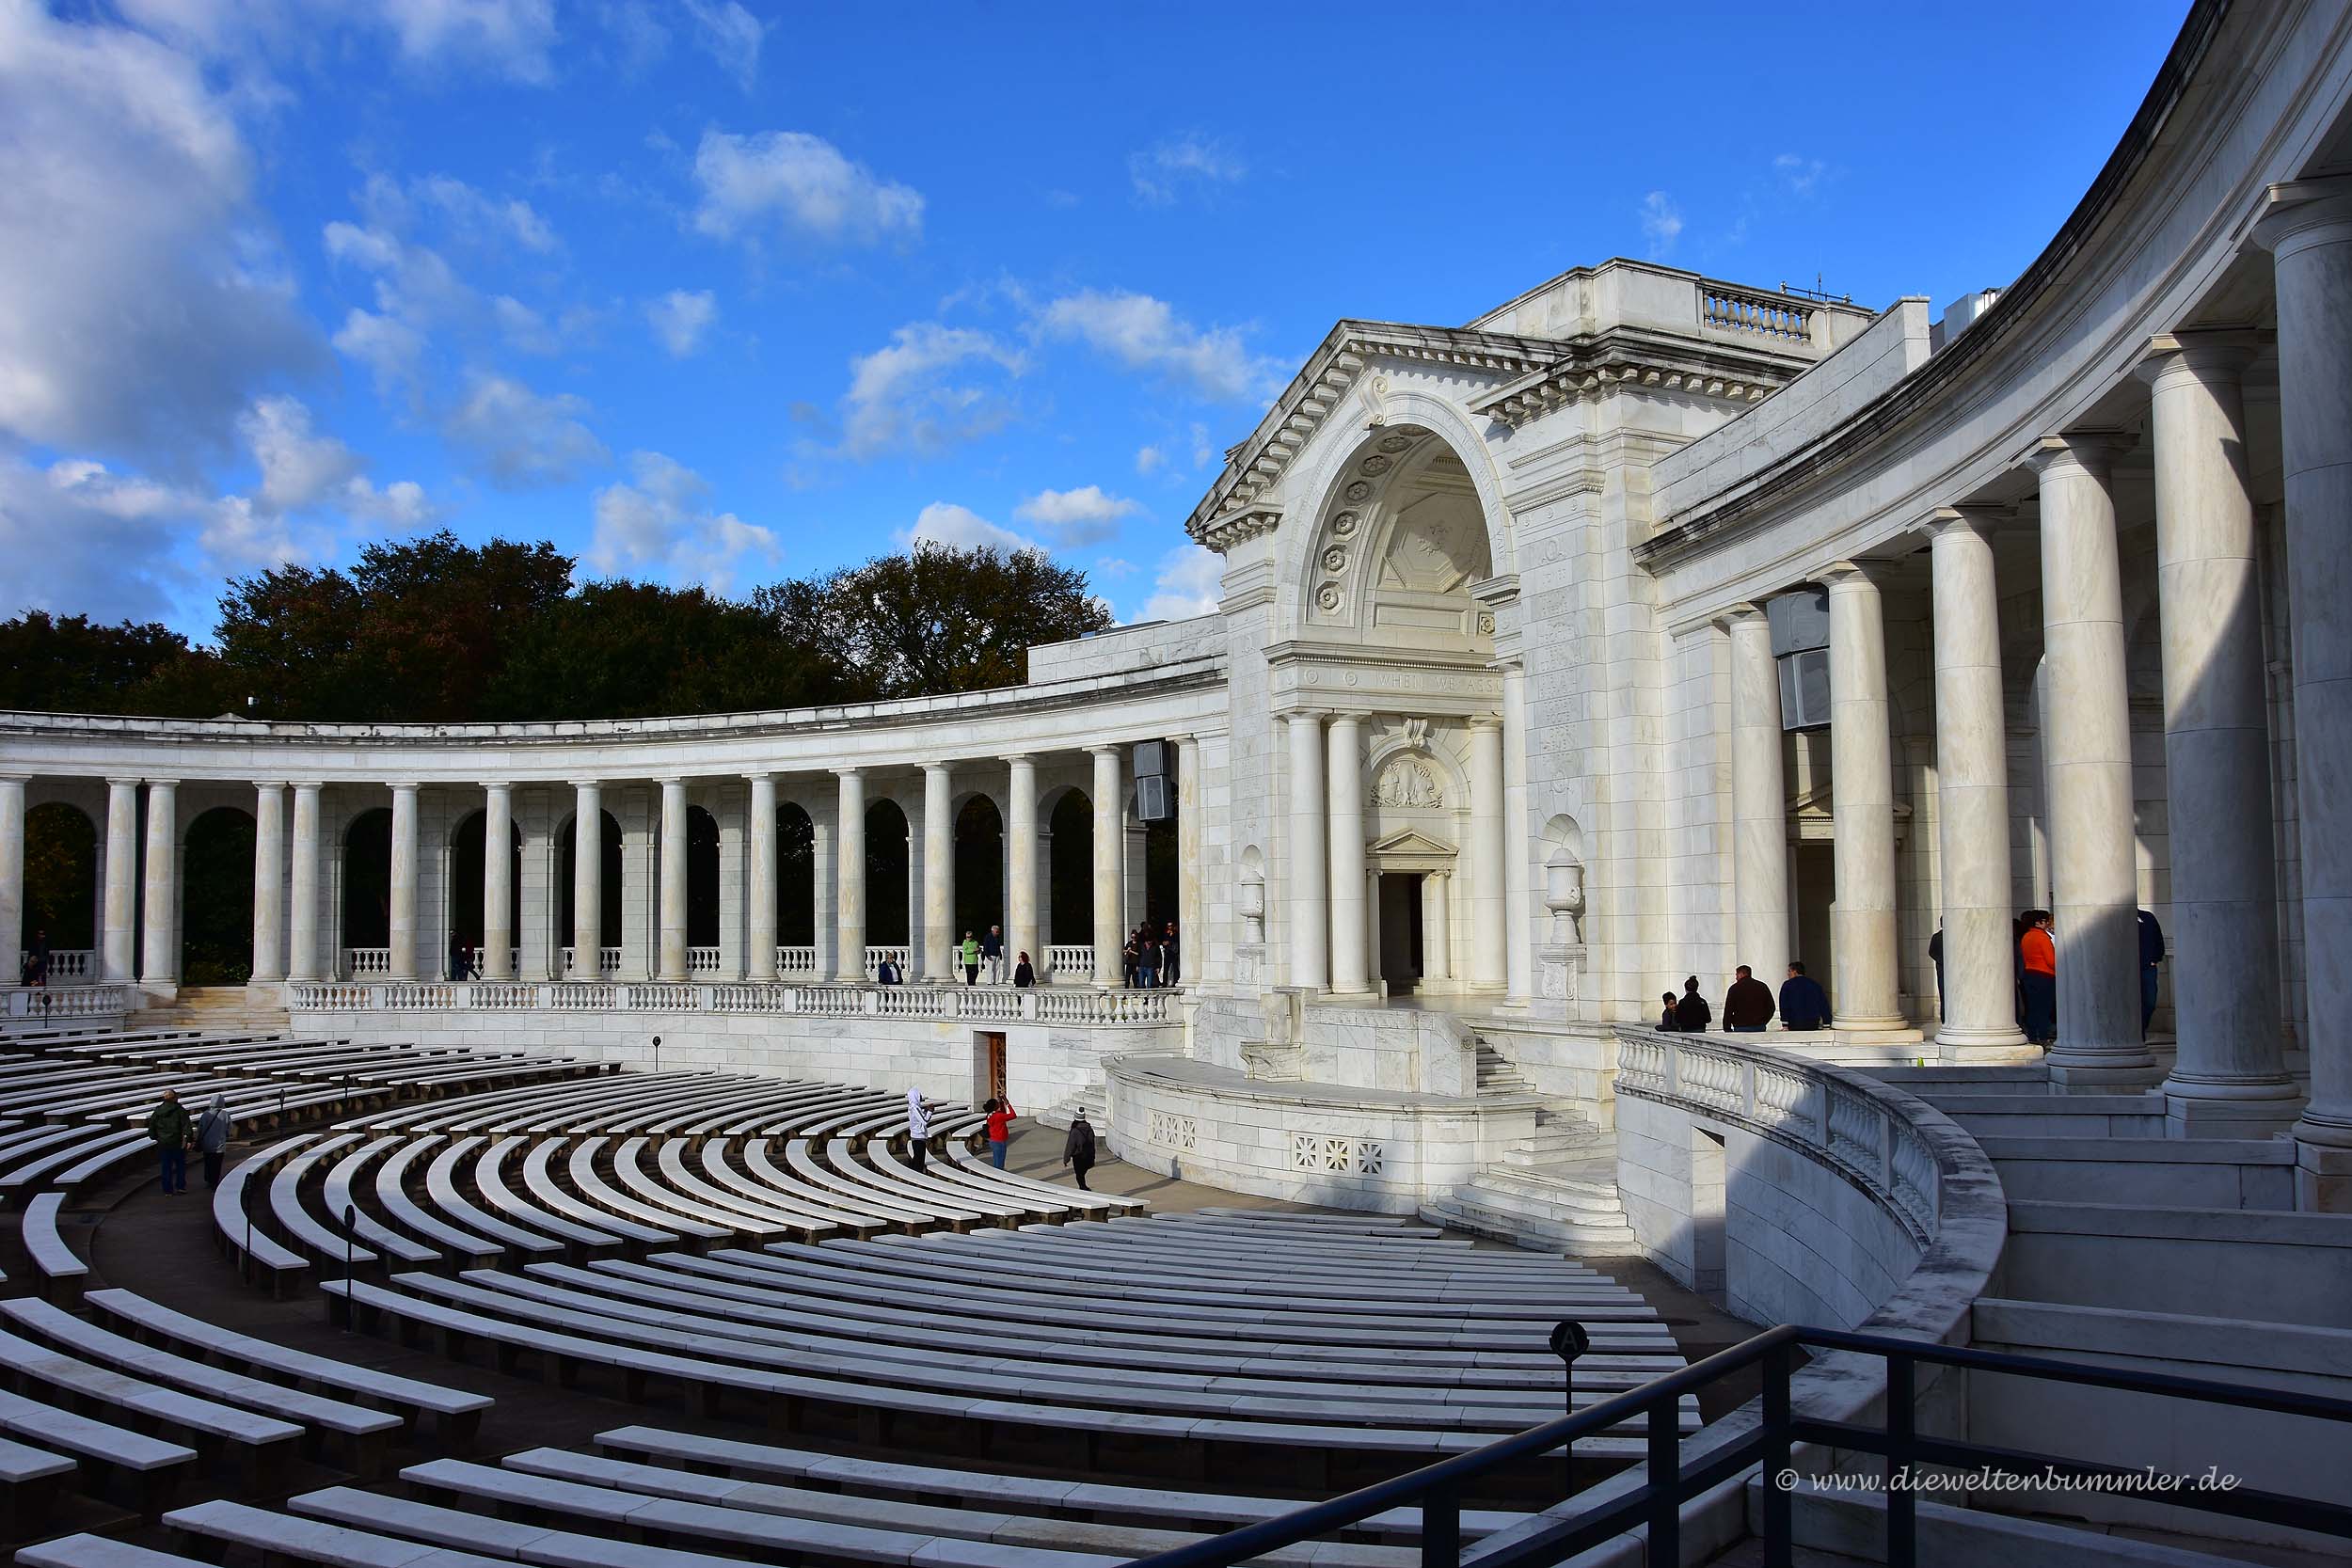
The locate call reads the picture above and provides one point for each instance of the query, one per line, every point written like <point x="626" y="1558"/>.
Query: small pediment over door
<point x="1813" y="817"/>
<point x="1412" y="850"/>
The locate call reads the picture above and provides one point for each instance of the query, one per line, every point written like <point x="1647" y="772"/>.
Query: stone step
<point x="1538" y="1232"/>
<point x="1094" y="1097"/>
<point x="1543" y="1191"/>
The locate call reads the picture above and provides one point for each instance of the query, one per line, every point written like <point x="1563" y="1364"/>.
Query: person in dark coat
<point x="167" y="1128"/>
<point x="1748" y="1005"/>
<point x="1666" y="1012"/>
<point x="2150" y="955"/>
<point x="1804" y="1005"/>
<point x="1935" y="957"/>
<point x="1691" y="1014"/>
<point x="1023" y="974"/>
<point x="1170" y="972"/>
<point x="1077" y="1150"/>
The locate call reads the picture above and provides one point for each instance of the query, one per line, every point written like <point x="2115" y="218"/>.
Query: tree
<point x="938" y="619"/>
<point x="71" y="664"/>
<point x="628" y="650"/>
<point x="415" y="632"/>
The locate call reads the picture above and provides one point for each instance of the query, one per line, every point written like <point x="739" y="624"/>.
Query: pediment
<point x="1409" y="842"/>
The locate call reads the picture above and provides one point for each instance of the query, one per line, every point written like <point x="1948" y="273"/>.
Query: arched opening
<point x="467" y="875"/>
<point x="609" y="887"/>
<point x="887" y="860"/>
<point x="979" y="867"/>
<point x="1401" y="539"/>
<point x="702" y="879"/>
<point x="368" y="889"/>
<point x="796" y="877"/>
<point x="61" y="889"/>
<point x="217" y="899"/>
<point x="1070" y="872"/>
<point x="1159" y="874"/>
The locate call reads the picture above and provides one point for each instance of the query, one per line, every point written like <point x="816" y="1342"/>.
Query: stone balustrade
<point x="1070" y="957"/>
<point x="950" y="1004"/>
<point x="1781" y="317"/>
<point x="72" y="965"/>
<point x="38" y="1004"/>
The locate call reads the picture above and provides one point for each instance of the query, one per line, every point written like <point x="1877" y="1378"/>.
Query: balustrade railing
<point x="1764" y="315"/>
<point x="976" y="1004"/>
<point x="702" y="960"/>
<point x="72" y="966"/>
<point x="900" y="955"/>
<point x="39" y="1002"/>
<point x="607" y="960"/>
<point x="1829" y="1117"/>
<point x="360" y="962"/>
<point x="796" y="961"/>
<point x="1075" y="960"/>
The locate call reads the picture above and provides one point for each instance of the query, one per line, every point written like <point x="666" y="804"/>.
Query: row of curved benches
<point x="1222" y="1345"/>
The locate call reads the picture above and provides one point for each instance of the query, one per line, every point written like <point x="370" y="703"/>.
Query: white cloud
<point x="524" y="328"/>
<point x="1071" y="518"/>
<point x="680" y="318"/>
<point x="488" y="218"/>
<point x="799" y="185"/>
<point x="139" y="305"/>
<point x="1144" y="333"/>
<point x="1201" y="449"/>
<point x="961" y="528"/>
<point x="1114" y="567"/>
<point x="1168" y="169"/>
<point x="1662" y="223"/>
<point x="729" y="35"/>
<point x="1800" y="175"/>
<point x="508" y="37"/>
<point x="660" y="521"/>
<point x="298" y="468"/>
<point x="1188" y="584"/>
<point x="901" y="399"/>
<point x="305" y="471"/>
<point x="1149" y="459"/>
<point x="519" y="439"/>
<point x="392" y="350"/>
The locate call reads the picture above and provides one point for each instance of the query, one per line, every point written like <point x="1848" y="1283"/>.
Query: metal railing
<point x="1666" y="1483"/>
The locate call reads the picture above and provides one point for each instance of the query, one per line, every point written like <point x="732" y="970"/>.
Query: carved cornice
<point x="1531" y="397"/>
<point x="1233" y="528"/>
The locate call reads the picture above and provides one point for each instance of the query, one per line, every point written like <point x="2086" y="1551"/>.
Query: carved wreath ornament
<point x="1408" y="783"/>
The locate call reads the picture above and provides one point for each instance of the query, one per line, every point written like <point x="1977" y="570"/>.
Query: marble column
<point x="1861" y="784"/>
<point x="302" y="888"/>
<point x="269" y="881"/>
<point x="1972" y="788"/>
<point x="939" y="875"/>
<point x="587" y="881"/>
<point x="848" y="902"/>
<point x="2095" y="884"/>
<point x="1437" y="927"/>
<point x="11" y="879"/>
<point x="1192" y="931"/>
<point x="1517" y="838"/>
<point x="1110" y="864"/>
<point x="759" y="915"/>
<point x="1021" y="863"/>
<point x="1488" y="967"/>
<point x="402" y="960"/>
<point x="1310" y="952"/>
<point x="1343" y="776"/>
<point x="2309" y="234"/>
<point x="670" y="963"/>
<point x="120" y="919"/>
<point x="1759" y="798"/>
<point x="159" y="935"/>
<point x="498" y="882"/>
<point x="2230" y="1077"/>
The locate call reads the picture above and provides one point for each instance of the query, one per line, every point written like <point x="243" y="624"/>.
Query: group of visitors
<point x="975" y="955"/>
<point x="1749" y="1007"/>
<point x="174" y="1134"/>
<point x="1149" y="959"/>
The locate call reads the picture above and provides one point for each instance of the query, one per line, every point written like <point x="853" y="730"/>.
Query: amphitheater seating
<point x="60" y="1268"/>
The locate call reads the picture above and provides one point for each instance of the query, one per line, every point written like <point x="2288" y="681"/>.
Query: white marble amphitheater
<point x="1646" y="626"/>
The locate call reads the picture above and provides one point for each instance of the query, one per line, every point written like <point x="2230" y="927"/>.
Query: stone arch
<point x="60" y="879"/>
<point x="702" y="878"/>
<point x="889" y="860"/>
<point x="1322" y="492"/>
<point x="217" y="897"/>
<point x="1065" y="813"/>
<point x="796" y="876"/>
<point x="468" y="873"/>
<point x="367" y="878"/>
<point x="979" y="857"/>
<point x="609" y="888"/>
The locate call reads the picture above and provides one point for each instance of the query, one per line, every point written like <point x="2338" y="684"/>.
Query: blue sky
<point x="718" y="291"/>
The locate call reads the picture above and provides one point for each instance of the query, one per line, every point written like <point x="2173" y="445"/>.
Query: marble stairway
<point x="229" y="1010"/>
<point x="1094" y="1097"/>
<point x="1554" y="1191"/>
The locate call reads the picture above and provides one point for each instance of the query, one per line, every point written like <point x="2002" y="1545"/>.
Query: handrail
<point x="1437" y="1489"/>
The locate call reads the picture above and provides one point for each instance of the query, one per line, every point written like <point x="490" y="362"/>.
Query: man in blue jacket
<point x="1804" y="1005"/>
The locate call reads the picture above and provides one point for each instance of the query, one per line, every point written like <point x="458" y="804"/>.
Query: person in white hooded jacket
<point x="918" y="1125"/>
